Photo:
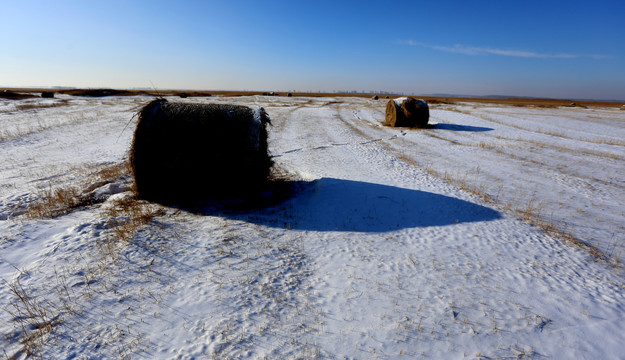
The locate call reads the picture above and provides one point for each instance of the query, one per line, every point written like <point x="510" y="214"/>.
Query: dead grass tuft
<point x="54" y="202"/>
<point x="32" y="319"/>
<point x="128" y="215"/>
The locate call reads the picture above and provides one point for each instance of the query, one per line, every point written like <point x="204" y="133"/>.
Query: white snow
<point x="400" y="100"/>
<point x="372" y="257"/>
<point x="255" y="130"/>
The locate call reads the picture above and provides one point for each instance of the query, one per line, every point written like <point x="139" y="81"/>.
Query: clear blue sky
<point x="561" y="49"/>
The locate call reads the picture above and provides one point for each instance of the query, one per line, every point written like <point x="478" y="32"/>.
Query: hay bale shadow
<point x="329" y="204"/>
<point x="456" y="127"/>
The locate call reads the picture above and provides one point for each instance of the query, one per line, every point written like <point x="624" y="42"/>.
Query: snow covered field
<point x="396" y="244"/>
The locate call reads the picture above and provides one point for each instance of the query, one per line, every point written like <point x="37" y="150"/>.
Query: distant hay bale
<point x="387" y="97"/>
<point x="375" y="97"/>
<point x="47" y="94"/>
<point x="623" y="107"/>
<point x="188" y="152"/>
<point x="289" y="95"/>
<point x="407" y="112"/>
<point x="183" y="95"/>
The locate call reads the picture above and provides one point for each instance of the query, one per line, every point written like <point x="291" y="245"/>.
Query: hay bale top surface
<point x="400" y="100"/>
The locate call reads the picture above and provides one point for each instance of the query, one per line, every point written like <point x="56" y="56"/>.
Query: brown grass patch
<point x="54" y="202"/>
<point x="12" y="95"/>
<point x="129" y="214"/>
<point x="32" y="319"/>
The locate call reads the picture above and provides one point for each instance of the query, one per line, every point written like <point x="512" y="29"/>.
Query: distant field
<point x="514" y="101"/>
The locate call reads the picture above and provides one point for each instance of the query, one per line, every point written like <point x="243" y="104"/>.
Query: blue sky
<point x="560" y="49"/>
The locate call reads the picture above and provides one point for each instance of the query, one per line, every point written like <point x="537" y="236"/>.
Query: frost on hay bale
<point x="407" y="112"/>
<point x="47" y="94"/>
<point x="183" y="152"/>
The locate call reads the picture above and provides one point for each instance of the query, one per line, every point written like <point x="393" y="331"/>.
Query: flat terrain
<point x="494" y="233"/>
<point x="512" y="101"/>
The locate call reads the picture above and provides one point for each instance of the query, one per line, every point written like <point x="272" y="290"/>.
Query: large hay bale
<point x="623" y="107"/>
<point x="407" y="112"/>
<point x="187" y="152"/>
<point x="47" y="94"/>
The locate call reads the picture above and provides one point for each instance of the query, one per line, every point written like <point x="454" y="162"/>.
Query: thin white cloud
<point x="474" y="50"/>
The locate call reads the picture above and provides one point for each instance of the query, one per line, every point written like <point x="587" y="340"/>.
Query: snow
<point x="257" y="123"/>
<point x="372" y="256"/>
<point x="400" y="100"/>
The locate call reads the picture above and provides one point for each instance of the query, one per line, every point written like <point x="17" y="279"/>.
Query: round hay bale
<point x="183" y="152"/>
<point x="407" y="112"/>
<point x="623" y="107"/>
<point x="183" y="95"/>
<point x="289" y="95"/>
<point x="47" y="94"/>
<point x="375" y="97"/>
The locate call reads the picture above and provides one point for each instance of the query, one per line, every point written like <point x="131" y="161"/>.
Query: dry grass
<point x="53" y="203"/>
<point x="37" y="105"/>
<point x="36" y="316"/>
<point x="127" y="215"/>
<point x="14" y="95"/>
<point x="32" y="319"/>
<point x="62" y="200"/>
<point x="530" y="211"/>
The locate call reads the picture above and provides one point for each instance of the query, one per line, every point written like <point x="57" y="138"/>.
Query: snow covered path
<point x="373" y="258"/>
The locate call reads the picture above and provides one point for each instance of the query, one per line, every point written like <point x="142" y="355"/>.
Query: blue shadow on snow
<point x="329" y="204"/>
<point x="454" y="127"/>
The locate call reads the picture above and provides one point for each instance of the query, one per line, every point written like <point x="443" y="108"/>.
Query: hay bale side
<point x="188" y="152"/>
<point x="375" y="97"/>
<point x="47" y="94"/>
<point x="407" y="112"/>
